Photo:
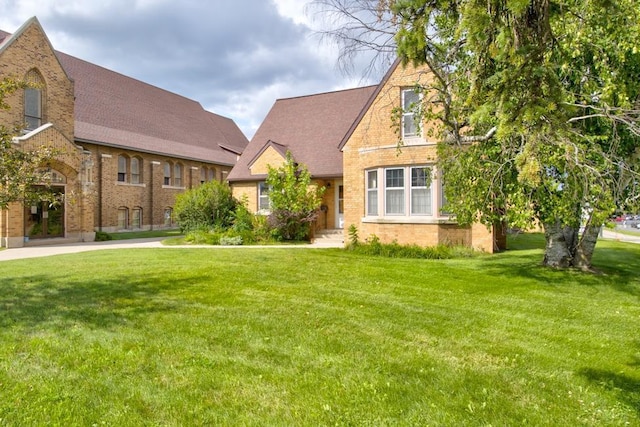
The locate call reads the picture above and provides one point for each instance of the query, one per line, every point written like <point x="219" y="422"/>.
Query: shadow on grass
<point x="626" y="387"/>
<point x="102" y="303"/>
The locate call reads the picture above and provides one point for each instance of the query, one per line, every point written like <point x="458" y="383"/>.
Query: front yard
<point x="318" y="337"/>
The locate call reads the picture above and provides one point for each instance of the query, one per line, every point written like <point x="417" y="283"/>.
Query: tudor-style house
<point x="126" y="148"/>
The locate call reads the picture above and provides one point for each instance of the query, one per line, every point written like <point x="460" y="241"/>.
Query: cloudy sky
<point x="234" y="57"/>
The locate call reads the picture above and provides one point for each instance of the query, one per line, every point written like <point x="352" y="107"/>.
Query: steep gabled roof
<point x="311" y="127"/>
<point x="115" y="110"/>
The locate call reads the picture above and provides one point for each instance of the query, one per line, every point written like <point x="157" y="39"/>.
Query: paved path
<point x="613" y="235"/>
<point x="69" y="248"/>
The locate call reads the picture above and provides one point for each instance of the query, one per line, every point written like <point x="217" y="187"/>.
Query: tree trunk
<point x="559" y="248"/>
<point x="585" y="247"/>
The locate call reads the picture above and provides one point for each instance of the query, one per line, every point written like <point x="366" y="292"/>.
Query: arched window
<point x="212" y="174"/>
<point x="167" y="173"/>
<point x="122" y="168"/>
<point x="33" y="101"/>
<point x="177" y="175"/>
<point x="136" y="218"/>
<point x="203" y="175"/>
<point x="123" y="218"/>
<point x="136" y="170"/>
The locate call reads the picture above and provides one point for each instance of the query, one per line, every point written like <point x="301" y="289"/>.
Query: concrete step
<point x="332" y="236"/>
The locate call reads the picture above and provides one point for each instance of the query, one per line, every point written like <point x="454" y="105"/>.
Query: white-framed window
<point x="372" y="192"/>
<point x="403" y="192"/>
<point x="410" y="105"/>
<point x="421" y="191"/>
<point x="264" y="205"/>
<point x="394" y="191"/>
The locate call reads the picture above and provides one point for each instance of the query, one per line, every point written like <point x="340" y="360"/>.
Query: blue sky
<point x="234" y="57"/>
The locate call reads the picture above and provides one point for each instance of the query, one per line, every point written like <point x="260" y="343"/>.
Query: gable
<point x="270" y="156"/>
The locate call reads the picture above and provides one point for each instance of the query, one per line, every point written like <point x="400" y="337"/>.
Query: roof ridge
<point x="326" y="93"/>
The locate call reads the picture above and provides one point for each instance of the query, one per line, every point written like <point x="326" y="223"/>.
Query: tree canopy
<point x="538" y="105"/>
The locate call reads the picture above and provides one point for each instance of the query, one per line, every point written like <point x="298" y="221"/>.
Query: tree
<point x="294" y="203"/>
<point x="538" y="106"/>
<point x="21" y="171"/>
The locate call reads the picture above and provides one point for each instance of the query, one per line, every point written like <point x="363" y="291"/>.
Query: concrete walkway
<point x="155" y="242"/>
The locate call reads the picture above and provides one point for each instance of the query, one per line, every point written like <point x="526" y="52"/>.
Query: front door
<point x="45" y="219"/>
<point x="340" y="205"/>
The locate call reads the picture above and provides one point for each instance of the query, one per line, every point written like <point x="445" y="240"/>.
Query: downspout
<point x="100" y="167"/>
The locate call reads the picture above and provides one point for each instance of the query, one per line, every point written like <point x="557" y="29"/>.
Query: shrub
<point x="294" y="202"/>
<point x="211" y="205"/>
<point x="373" y="246"/>
<point x="101" y="236"/>
<point x="231" y="240"/>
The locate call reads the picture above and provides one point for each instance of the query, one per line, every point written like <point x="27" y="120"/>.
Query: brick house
<point x="311" y="128"/>
<point x="393" y="194"/>
<point x="127" y="148"/>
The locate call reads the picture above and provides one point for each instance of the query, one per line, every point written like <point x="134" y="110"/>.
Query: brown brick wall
<point x="151" y="195"/>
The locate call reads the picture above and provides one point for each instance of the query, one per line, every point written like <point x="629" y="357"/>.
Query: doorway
<point x="45" y="219"/>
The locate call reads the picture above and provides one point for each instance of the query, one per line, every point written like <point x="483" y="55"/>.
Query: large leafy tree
<point x="538" y="105"/>
<point x="21" y="171"/>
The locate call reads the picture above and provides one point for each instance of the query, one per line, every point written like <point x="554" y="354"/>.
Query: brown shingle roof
<point x="116" y="110"/>
<point x="113" y="109"/>
<point x="311" y="127"/>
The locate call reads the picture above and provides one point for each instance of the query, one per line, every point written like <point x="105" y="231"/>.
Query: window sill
<point x="407" y="220"/>
<point x="171" y="187"/>
<point x="127" y="184"/>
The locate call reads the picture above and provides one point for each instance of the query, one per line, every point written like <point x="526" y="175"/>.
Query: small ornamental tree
<point x="21" y="170"/>
<point x="209" y="206"/>
<point x="294" y="202"/>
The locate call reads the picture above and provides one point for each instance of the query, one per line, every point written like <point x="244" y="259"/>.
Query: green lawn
<point x="250" y="336"/>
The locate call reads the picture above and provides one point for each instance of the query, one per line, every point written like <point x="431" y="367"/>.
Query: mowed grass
<point x="296" y="336"/>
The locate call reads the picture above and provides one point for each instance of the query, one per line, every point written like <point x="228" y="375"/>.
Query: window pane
<point x="135" y="170"/>
<point x="167" y="174"/>
<point x="123" y="218"/>
<point x="203" y="175"/>
<point x="410" y="103"/>
<point x="177" y="179"/>
<point x="395" y="202"/>
<point x="372" y="192"/>
<point x="212" y="174"/>
<point x="410" y="99"/>
<point x="122" y="169"/>
<point x="420" y="191"/>
<point x="395" y="178"/>
<point x="263" y="197"/>
<point x="137" y="218"/>
<point x="32" y="104"/>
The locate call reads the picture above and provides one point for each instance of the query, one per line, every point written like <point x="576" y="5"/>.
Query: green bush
<point x="211" y="205"/>
<point x="101" y="236"/>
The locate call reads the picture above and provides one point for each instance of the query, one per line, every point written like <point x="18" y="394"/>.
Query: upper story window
<point x="129" y="169"/>
<point x="33" y="99"/>
<point x="177" y="175"/>
<point x="405" y="191"/>
<point x="410" y="106"/>
<point x="122" y="168"/>
<point x="167" y="173"/>
<point x="136" y="170"/>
